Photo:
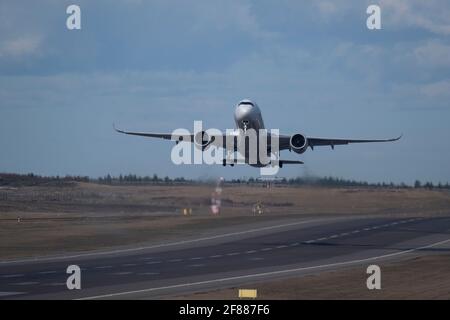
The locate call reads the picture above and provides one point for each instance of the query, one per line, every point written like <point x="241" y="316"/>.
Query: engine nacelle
<point x="298" y="143"/>
<point x="202" y="140"/>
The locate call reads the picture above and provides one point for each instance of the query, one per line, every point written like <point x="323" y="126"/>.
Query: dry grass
<point x="89" y="216"/>
<point x="424" y="277"/>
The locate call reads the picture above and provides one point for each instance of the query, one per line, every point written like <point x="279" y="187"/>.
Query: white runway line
<point x="255" y="259"/>
<point x="175" y="260"/>
<point x="129" y="265"/>
<point x="198" y="265"/>
<point x="250" y="251"/>
<point x="216" y="256"/>
<point x="122" y="273"/>
<point x="103" y="267"/>
<point x="12" y="275"/>
<point x="266" y="249"/>
<point x="29" y="283"/>
<point x="357" y="231"/>
<point x="56" y="284"/>
<point x="264" y="274"/>
<point x="148" y="274"/>
<point x="153" y="262"/>
<point x="47" y="272"/>
<point x="6" y="294"/>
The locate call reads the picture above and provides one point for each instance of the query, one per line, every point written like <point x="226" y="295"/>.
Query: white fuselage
<point x="248" y="118"/>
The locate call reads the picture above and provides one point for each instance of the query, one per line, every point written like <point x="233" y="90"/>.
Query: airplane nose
<point x="244" y="112"/>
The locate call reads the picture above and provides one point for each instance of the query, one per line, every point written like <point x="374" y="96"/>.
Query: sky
<point x="313" y="67"/>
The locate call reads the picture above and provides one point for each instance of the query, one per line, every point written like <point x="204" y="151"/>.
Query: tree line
<point x="11" y="179"/>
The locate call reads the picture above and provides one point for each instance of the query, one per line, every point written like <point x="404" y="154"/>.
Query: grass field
<point x="46" y="220"/>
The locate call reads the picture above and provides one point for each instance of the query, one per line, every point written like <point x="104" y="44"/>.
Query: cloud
<point x="433" y="53"/>
<point x="440" y="89"/>
<point x="21" y="46"/>
<point x="326" y="7"/>
<point x="431" y="15"/>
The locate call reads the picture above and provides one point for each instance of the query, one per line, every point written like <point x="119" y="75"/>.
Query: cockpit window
<point x="246" y="103"/>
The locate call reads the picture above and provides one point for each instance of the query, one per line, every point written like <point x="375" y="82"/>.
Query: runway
<point x="286" y="248"/>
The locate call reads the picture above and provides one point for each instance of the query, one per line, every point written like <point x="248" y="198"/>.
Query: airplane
<point x="247" y="116"/>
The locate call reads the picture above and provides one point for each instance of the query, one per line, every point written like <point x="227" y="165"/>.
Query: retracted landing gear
<point x="224" y="163"/>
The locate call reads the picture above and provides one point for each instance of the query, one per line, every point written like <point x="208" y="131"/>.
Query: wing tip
<point x="117" y="130"/>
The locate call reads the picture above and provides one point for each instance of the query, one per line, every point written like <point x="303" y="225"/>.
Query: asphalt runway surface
<point x="241" y="255"/>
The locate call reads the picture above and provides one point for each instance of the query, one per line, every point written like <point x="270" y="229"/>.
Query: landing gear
<point x="224" y="163"/>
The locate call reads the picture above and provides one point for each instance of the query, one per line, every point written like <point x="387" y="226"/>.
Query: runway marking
<point x="103" y="267"/>
<point x="281" y="247"/>
<point x="175" y="260"/>
<point x="250" y="251"/>
<point x="233" y="254"/>
<point x="47" y="272"/>
<point x="148" y="258"/>
<point x="56" y="284"/>
<point x="196" y="258"/>
<point x="216" y="256"/>
<point x="294" y="244"/>
<point x="196" y="265"/>
<point x="27" y="283"/>
<point x="153" y="262"/>
<point x="266" y="249"/>
<point x="355" y="231"/>
<point x="162" y="245"/>
<point x="12" y="275"/>
<point x="148" y="273"/>
<point x="256" y="275"/>
<point x="255" y="259"/>
<point x="122" y="273"/>
<point x="129" y="265"/>
<point x="6" y="294"/>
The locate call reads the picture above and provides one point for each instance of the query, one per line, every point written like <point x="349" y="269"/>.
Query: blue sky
<point x="312" y="66"/>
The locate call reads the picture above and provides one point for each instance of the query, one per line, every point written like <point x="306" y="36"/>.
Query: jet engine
<point x="298" y="143"/>
<point x="202" y="140"/>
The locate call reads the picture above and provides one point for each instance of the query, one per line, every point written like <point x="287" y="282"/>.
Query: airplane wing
<point x="313" y="142"/>
<point x="218" y="140"/>
<point x="167" y="136"/>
